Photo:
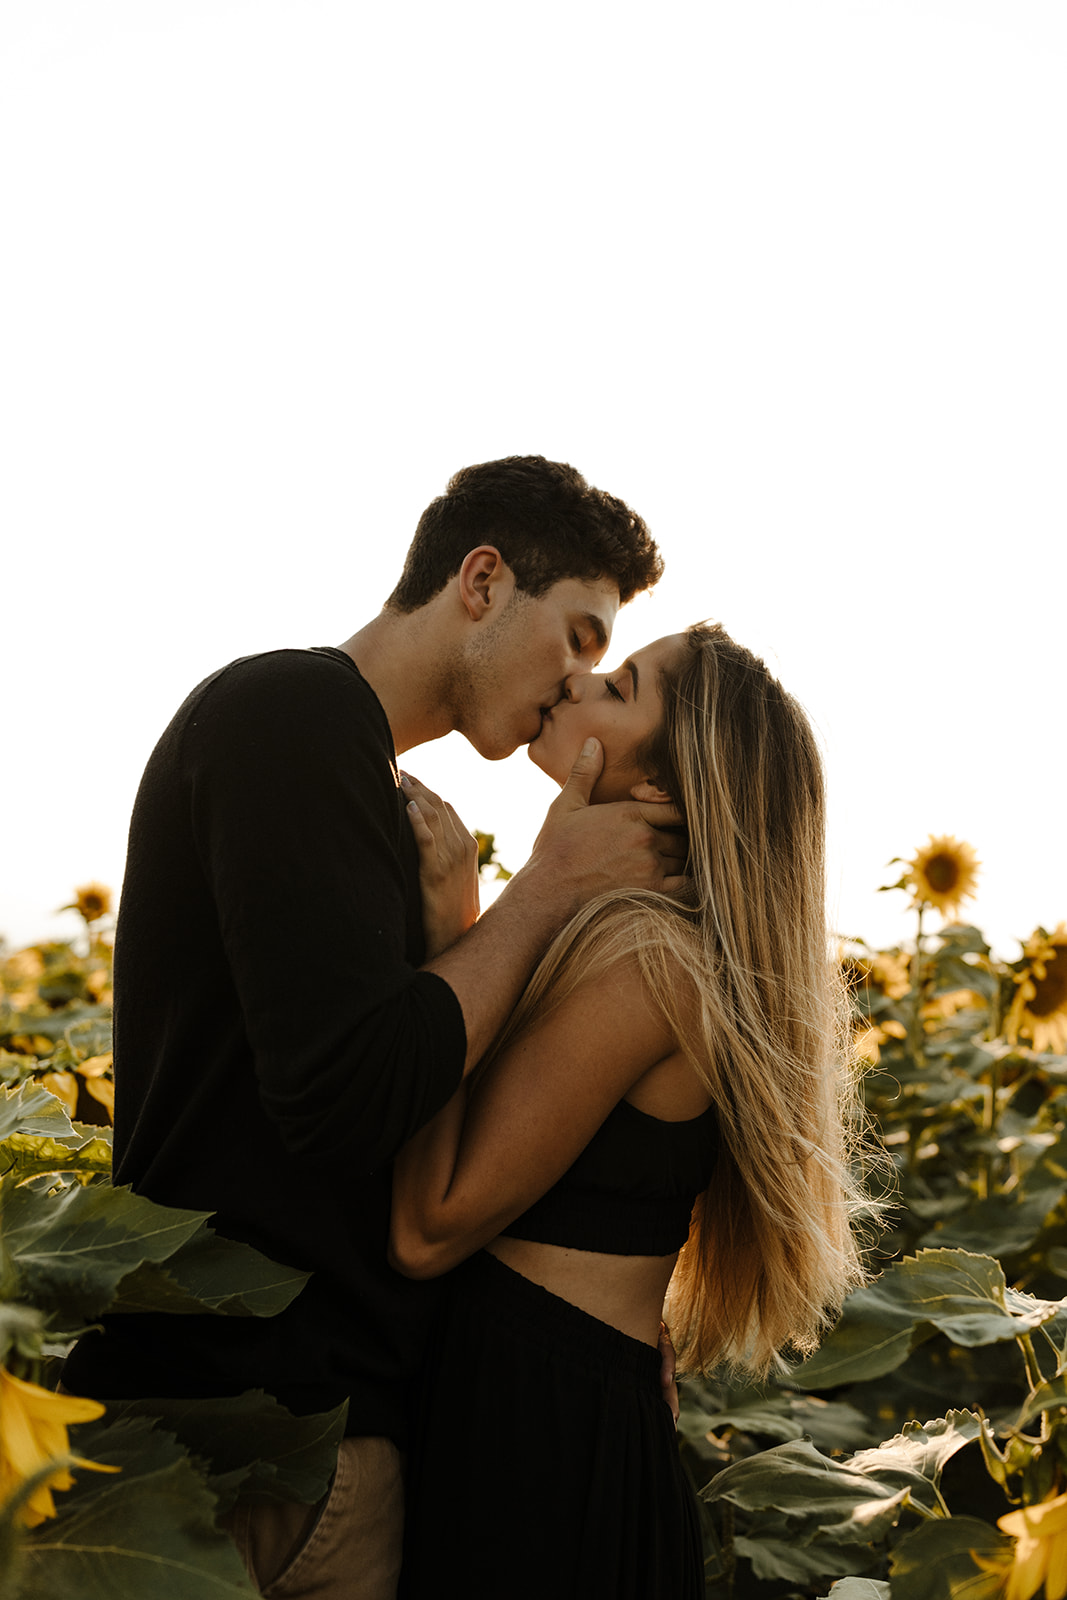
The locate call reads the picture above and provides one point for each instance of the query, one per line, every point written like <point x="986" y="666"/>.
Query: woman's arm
<point x="448" y="867"/>
<point x="493" y="1150"/>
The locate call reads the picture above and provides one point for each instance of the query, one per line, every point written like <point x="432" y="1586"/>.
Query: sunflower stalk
<point x="1034" y="1376"/>
<point x="915" y="1027"/>
<point x="934" y="1513"/>
<point x="991" y="1090"/>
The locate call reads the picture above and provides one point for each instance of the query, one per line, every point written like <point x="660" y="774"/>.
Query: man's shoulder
<point x="278" y="677"/>
<point x="320" y="663"/>
<point x="287" y="696"/>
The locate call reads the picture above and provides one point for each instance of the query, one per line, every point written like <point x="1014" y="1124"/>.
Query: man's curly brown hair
<point x="547" y="522"/>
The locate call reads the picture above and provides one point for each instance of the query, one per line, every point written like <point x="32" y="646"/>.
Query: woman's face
<point x="621" y="709"/>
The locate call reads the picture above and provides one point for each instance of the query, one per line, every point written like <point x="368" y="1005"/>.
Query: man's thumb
<point x="584" y="773"/>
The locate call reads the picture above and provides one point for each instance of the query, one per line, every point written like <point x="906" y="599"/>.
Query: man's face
<point x="519" y="662"/>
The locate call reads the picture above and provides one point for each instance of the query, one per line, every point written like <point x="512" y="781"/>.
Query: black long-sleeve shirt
<point x="275" y="1043"/>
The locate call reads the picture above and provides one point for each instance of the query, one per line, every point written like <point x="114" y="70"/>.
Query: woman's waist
<point x="624" y="1291"/>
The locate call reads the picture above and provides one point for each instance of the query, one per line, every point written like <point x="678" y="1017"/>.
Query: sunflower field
<point x="920" y="1453"/>
<point x="95" y="1504"/>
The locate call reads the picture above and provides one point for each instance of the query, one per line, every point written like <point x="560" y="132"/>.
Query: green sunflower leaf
<point x="147" y="1530"/>
<point x="939" y="1559"/>
<point x="249" y="1442"/>
<point x="33" y="1109"/>
<point x="68" y="1252"/>
<point x="828" y="1499"/>
<point x="961" y="1295"/>
<point x="859" y="1589"/>
<point x="23" y="1155"/>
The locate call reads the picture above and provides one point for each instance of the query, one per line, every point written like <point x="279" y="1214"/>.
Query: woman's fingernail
<point x="413" y="808"/>
<point x="405" y="780"/>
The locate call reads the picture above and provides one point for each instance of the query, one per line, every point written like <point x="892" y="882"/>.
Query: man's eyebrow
<point x="631" y="668"/>
<point x="599" y="631"/>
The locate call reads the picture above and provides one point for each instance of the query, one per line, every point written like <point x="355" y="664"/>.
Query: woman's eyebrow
<point x="631" y="668"/>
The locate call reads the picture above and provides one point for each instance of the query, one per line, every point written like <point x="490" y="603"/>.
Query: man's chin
<point x="491" y="748"/>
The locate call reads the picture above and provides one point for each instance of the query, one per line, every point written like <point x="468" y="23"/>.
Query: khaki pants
<point x="347" y="1547"/>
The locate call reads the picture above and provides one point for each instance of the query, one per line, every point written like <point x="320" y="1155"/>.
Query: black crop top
<point x="631" y="1191"/>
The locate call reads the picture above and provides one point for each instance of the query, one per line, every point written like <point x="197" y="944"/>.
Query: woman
<point x="663" y="1051"/>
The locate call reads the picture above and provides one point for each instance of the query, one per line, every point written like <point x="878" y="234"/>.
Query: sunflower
<point x="1040" y="1555"/>
<point x="19" y="975"/>
<point x="942" y="873"/>
<point x="33" y="1432"/>
<point x="98" y="986"/>
<point x="99" y="1086"/>
<point x="1039" y="1009"/>
<point x="867" y="1041"/>
<point x="64" y="1085"/>
<point x="92" y="901"/>
<point x="890" y="973"/>
<point x="943" y="1007"/>
<point x="880" y="971"/>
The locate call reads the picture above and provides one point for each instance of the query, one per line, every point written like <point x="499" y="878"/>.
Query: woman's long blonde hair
<point x="742" y="972"/>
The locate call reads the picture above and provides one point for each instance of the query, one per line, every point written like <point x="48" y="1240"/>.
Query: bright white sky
<point x="789" y="277"/>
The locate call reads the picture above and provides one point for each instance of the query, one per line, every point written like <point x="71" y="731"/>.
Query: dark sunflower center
<point x="942" y="873"/>
<point x="1050" y="992"/>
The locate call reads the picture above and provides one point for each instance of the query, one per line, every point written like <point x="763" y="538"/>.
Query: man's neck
<point x="400" y="655"/>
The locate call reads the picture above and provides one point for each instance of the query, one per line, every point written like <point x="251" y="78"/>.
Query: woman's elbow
<point x="415" y="1256"/>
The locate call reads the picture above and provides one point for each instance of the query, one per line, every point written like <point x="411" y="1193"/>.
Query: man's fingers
<point x="583" y="775"/>
<point x="680" y="887"/>
<point x="660" y="813"/>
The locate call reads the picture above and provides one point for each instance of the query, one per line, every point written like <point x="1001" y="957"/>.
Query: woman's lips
<point x="546" y="716"/>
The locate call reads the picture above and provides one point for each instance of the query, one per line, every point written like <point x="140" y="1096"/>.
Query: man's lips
<point x="545" y="714"/>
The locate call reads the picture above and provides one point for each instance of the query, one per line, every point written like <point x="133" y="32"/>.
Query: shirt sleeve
<point x="297" y="821"/>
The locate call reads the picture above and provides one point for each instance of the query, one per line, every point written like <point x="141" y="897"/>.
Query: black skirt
<point x="545" y="1461"/>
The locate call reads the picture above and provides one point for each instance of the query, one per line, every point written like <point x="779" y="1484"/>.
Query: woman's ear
<point x="646" y="790"/>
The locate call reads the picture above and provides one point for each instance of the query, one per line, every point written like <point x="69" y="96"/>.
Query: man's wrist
<point x="544" y="897"/>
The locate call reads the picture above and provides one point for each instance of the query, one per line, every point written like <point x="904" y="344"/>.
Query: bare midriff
<point x="624" y="1291"/>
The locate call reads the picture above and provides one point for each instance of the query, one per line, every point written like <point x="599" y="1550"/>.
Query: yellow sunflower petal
<point x="21" y="1453"/>
<point x="33" y="1433"/>
<point x="1028" y="1569"/>
<point x="103" y="1091"/>
<point x="96" y="1066"/>
<point x="39" y="1506"/>
<point x="1028" y="1520"/>
<point x="1056" y="1576"/>
<point x="65" y="1408"/>
<point x="64" y="1085"/>
<point x="1039" y="1007"/>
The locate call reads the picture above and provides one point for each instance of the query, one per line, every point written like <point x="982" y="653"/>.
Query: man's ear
<point x="646" y="790"/>
<point x="486" y="582"/>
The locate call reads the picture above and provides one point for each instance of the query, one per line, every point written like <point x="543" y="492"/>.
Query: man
<point x="279" y="1033"/>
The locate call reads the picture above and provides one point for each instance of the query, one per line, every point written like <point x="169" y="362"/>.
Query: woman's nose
<point x="579" y="684"/>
